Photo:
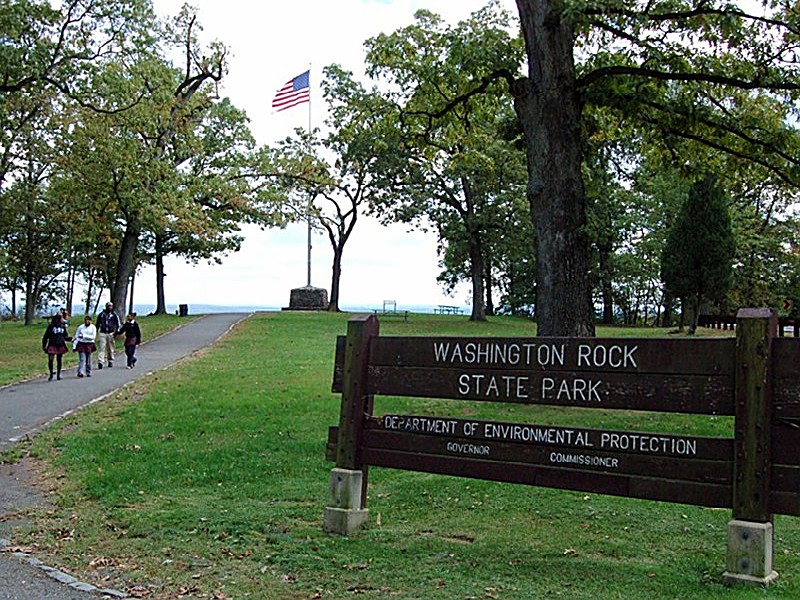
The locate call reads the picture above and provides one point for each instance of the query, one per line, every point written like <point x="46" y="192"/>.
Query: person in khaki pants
<point x="107" y="326"/>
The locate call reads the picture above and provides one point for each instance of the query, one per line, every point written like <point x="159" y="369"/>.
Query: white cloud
<point x="270" y="43"/>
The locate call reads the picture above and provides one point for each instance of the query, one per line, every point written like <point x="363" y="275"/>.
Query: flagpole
<point x="308" y="208"/>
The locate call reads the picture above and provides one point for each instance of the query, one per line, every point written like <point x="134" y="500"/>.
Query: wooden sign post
<point x="753" y="378"/>
<point x="749" y="558"/>
<point x="347" y="492"/>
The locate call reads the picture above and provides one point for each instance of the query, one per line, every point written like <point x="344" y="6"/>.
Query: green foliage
<point x="702" y="85"/>
<point x="451" y="165"/>
<point x="144" y="151"/>
<point x="696" y="263"/>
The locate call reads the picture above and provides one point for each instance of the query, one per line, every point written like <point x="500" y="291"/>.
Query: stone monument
<point x="308" y="298"/>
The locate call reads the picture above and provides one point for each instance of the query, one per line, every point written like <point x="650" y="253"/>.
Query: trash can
<point x="183" y="310"/>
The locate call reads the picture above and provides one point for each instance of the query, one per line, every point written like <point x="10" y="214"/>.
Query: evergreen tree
<point x="696" y="264"/>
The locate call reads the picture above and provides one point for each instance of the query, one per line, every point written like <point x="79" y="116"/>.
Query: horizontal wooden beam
<point x="701" y="494"/>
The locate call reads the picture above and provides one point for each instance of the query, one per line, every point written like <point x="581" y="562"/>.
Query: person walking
<point x="85" y="336"/>
<point x="107" y="327"/>
<point x="54" y="344"/>
<point x="133" y="337"/>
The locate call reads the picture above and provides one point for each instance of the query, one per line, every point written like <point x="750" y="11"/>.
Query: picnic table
<point x="390" y="309"/>
<point x="446" y="309"/>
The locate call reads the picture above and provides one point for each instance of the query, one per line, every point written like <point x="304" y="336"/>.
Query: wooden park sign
<point x="754" y="378"/>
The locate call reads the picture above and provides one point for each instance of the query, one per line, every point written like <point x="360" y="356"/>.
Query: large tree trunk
<point x="488" y="284"/>
<point x="161" y="304"/>
<point x="476" y="274"/>
<point x="605" y="284"/>
<point x="669" y="301"/>
<point x="89" y="292"/>
<point x="14" y="315"/>
<point x="695" y="313"/>
<point x="549" y="111"/>
<point x="126" y="263"/>
<point x="71" y="275"/>
<point x="31" y="296"/>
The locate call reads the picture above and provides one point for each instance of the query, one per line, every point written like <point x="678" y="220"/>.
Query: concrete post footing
<point x="749" y="559"/>
<point x="345" y="513"/>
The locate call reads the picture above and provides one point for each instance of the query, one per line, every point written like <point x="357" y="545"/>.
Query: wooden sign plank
<point x="580" y="458"/>
<point x="786" y="396"/>
<point x="785" y="436"/>
<point x="587" y="355"/>
<point x="784" y="495"/>
<point x="699" y="394"/>
<point x="702" y="494"/>
<point x="632" y="442"/>
<point x="785" y="364"/>
<point x="784" y="503"/>
<point x="665" y="356"/>
<point x="786" y="357"/>
<point x="785" y="478"/>
<point x="527" y="370"/>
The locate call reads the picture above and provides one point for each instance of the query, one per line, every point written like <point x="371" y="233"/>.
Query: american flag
<point x="294" y="92"/>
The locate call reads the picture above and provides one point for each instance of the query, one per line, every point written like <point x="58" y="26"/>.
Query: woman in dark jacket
<point x="54" y="343"/>
<point x="133" y="337"/>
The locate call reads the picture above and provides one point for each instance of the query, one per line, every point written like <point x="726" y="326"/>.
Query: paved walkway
<point x="27" y="407"/>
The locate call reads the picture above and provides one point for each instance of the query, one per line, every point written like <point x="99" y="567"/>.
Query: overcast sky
<point x="270" y="43"/>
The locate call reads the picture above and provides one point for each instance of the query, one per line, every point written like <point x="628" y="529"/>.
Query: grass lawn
<point x="209" y="480"/>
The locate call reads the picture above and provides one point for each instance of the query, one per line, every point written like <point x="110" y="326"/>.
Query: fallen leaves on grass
<point x="187" y="590"/>
<point x="20" y="549"/>
<point x="102" y="561"/>
<point x="63" y="534"/>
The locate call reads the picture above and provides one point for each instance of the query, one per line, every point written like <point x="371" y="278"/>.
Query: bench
<point x="446" y="309"/>
<point x="755" y="472"/>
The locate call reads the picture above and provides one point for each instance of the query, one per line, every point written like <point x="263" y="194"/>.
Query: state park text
<point x="536" y="355"/>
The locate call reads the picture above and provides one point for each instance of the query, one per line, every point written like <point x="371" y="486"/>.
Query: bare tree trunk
<point x="476" y="274"/>
<point x="695" y="314"/>
<point x="89" y="290"/>
<point x="125" y="265"/>
<point x="32" y="293"/>
<point x="669" y="302"/>
<point x="71" y="274"/>
<point x="336" y="275"/>
<point x="98" y="300"/>
<point x="489" y="283"/>
<point x="548" y="106"/>
<point x="161" y="303"/>
<point x="30" y="302"/>
<point x="605" y="284"/>
<point x="130" y="296"/>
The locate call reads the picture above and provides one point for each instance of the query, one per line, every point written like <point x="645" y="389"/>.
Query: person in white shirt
<point x="84" y="338"/>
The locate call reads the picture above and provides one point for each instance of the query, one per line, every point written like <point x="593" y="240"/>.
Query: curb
<point x="61" y="576"/>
